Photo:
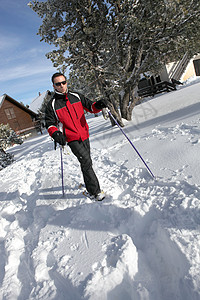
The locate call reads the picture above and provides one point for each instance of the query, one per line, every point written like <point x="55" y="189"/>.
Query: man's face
<point x="60" y="84"/>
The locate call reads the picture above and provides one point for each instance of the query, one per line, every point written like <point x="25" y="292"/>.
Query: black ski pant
<point x="81" y="150"/>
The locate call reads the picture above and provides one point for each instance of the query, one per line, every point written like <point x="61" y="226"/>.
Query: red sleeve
<point x="51" y="121"/>
<point x="51" y="129"/>
<point x="95" y="110"/>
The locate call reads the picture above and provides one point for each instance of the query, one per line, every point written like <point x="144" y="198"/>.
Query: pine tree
<point x="8" y="137"/>
<point x="5" y="159"/>
<point x="109" y="44"/>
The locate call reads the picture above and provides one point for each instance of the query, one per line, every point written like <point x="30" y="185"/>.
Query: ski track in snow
<point x="136" y="244"/>
<point x="43" y="237"/>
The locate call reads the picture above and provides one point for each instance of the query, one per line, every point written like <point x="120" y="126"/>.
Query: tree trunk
<point x="116" y="115"/>
<point x="124" y="106"/>
<point x="112" y="105"/>
<point x="127" y="104"/>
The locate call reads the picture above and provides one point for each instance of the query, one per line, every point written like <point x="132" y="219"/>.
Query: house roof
<point x="37" y="102"/>
<point x="21" y="106"/>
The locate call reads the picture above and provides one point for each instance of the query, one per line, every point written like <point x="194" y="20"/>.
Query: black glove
<point x="59" y="138"/>
<point x="101" y="104"/>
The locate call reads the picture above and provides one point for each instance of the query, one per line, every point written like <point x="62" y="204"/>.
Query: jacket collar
<point x="60" y="95"/>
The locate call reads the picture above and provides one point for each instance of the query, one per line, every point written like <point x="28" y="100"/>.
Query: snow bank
<point x="141" y="242"/>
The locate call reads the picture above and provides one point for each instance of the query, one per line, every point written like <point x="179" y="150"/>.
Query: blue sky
<point x="24" y="69"/>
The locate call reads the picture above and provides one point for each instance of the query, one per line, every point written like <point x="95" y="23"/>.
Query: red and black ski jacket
<point x="67" y="111"/>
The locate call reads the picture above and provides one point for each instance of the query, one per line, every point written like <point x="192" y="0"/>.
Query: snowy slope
<point x="141" y="243"/>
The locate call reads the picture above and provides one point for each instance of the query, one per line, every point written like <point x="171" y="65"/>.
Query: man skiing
<point x="65" y="122"/>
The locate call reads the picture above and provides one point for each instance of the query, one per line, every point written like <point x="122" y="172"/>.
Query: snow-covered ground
<point x="141" y="243"/>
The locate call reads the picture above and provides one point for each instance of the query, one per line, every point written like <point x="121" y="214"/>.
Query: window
<point x="10" y="113"/>
<point x="196" y="63"/>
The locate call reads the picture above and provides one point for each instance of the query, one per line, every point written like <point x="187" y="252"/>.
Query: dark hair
<point x="56" y="75"/>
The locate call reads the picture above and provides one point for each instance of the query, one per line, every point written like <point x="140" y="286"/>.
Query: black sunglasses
<point x="59" y="83"/>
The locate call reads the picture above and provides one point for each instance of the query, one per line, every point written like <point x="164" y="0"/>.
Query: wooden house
<point x="21" y="119"/>
<point x="172" y="74"/>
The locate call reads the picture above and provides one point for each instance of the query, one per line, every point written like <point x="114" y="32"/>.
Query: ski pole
<point x="131" y="143"/>
<point x="61" y="160"/>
